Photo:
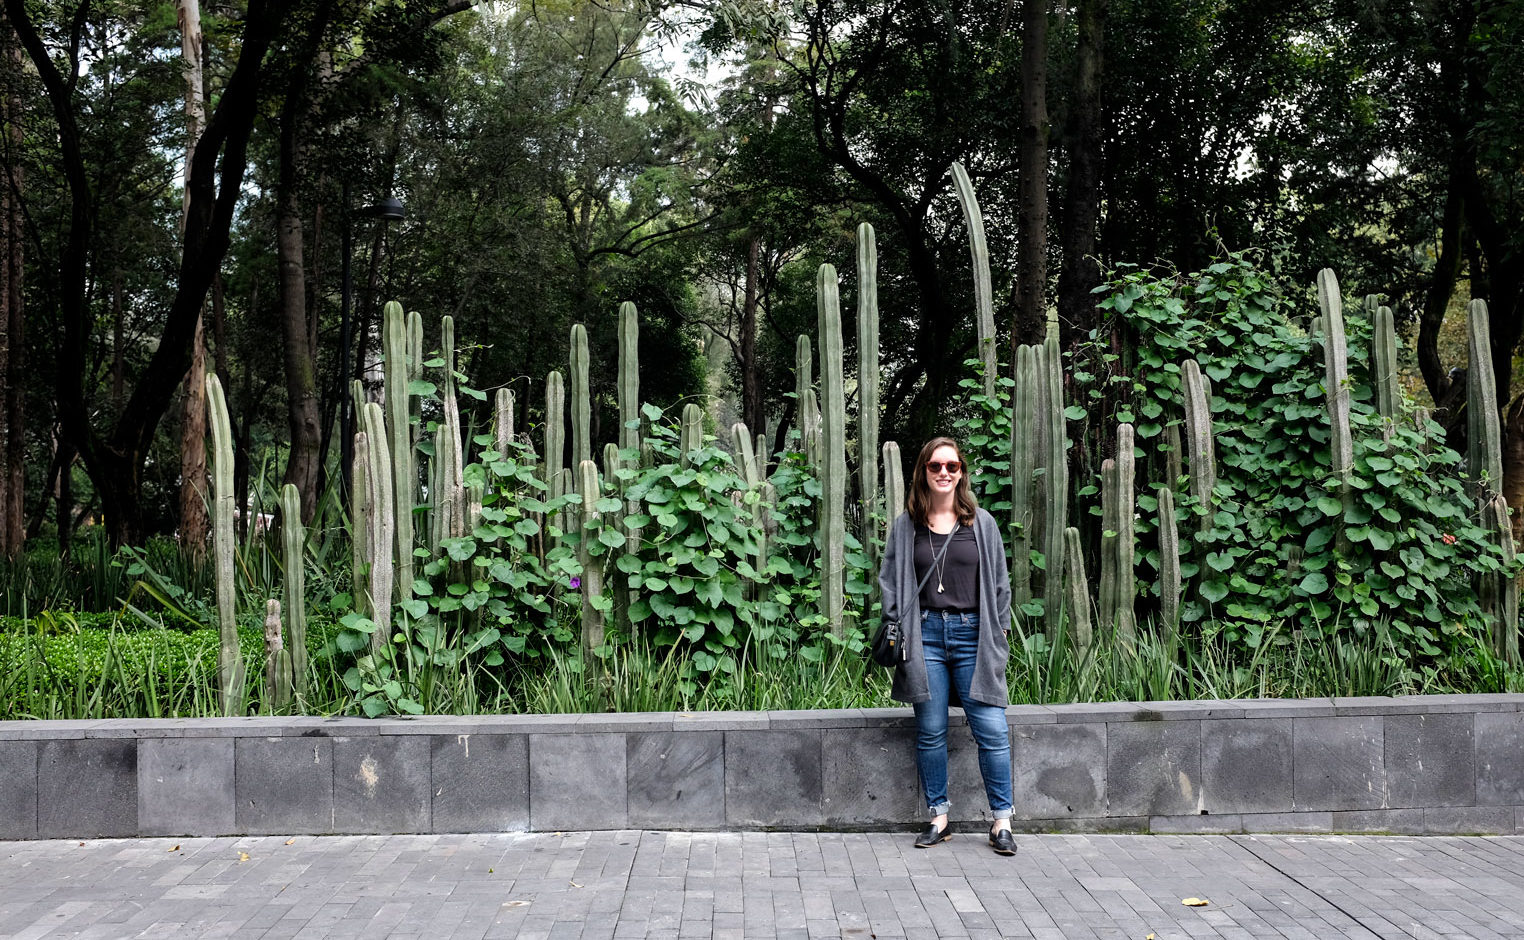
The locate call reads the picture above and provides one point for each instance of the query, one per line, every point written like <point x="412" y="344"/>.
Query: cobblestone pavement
<point x="803" y="885"/>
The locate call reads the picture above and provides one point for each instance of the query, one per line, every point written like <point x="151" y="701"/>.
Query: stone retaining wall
<point x="1425" y="764"/>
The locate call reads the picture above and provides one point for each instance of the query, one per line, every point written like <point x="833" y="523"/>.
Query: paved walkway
<point x="803" y="885"/>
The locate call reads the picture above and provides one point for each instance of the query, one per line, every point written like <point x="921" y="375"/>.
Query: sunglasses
<point x="935" y="466"/>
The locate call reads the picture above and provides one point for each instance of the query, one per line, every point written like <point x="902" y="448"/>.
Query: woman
<point x="945" y="581"/>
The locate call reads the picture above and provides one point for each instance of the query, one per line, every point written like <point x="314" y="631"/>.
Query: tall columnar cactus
<point x="382" y="526"/>
<point x="277" y="659"/>
<point x="804" y="383"/>
<point x="592" y="565"/>
<point x="629" y="377"/>
<point x="1384" y="366"/>
<point x="1499" y="592"/>
<point x="1107" y="598"/>
<point x="230" y="669"/>
<point x="1024" y="462"/>
<point x="1169" y="560"/>
<point x="555" y="438"/>
<point x="833" y="472"/>
<point x="396" y="343"/>
<point x="691" y="437"/>
<point x="581" y="397"/>
<point x="746" y="463"/>
<point x="867" y="381"/>
<point x="1057" y="476"/>
<point x="1174" y="466"/>
<point x="502" y="422"/>
<point x="894" y="486"/>
<point x="1484" y="441"/>
<point x="359" y="511"/>
<point x="1336" y="387"/>
<point x="979" y="255"/>
<point x="293" y="538"/>
<point x="450" y="502"/>
<point x="1199" y="446"/>
<point x="1126" y="544"/>
<point x="1042" y="429"/>
<point x="814" y="445"/>
<point x="1081" y="633"/>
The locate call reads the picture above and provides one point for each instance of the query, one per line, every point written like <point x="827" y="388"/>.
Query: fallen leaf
<point x="1194" y="902"/>
<point x="1149" y="937"/>
<point x="81" y="843"/>
<point x="175" y="849"/>
<point x="515" y="903"/>
<point x="574" y="884"/>
<point x="243" y="856"/>
<point x="290" y="841"/>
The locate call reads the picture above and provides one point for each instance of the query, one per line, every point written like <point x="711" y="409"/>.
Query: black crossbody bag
<point x="886" y="649"/>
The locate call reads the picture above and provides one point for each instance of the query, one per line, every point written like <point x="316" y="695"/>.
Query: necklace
<point x="941" y="560"/>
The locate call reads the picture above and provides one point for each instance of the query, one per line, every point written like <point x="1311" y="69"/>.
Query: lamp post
<point x="387" y="209"/>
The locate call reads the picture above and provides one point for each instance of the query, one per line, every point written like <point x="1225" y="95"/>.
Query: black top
<point x="958" y="572"/>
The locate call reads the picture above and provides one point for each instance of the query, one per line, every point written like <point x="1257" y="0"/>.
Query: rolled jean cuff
<point x="1002" y="814"/>
<point x="939" y="809"/>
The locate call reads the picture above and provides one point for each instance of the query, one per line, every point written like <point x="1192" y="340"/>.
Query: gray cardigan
<point x="901" y="601"/>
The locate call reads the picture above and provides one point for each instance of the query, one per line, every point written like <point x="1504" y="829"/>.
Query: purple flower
<point x="574" y="582"/>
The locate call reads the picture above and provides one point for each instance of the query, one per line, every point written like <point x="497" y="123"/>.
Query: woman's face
<point x="941" y="479"/>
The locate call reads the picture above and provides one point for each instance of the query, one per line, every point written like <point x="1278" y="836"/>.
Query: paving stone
<point x="1057" y="770"/>
<point x="185" y="786"/>
<point x="87" y="789"/>
<point x="1338" y="763"/>
<point x="772" y="778"/>
<point x="1468" y="820"/>
<point x="1430" y="760"/>
<point x="1246" y="765"/>
<point x="676" y="776"/>
<point x="577" y="781"/>
<point x="479" y="782"/>
<point x="1153" y="768"/>
<point x="381" y="784"/>
<point x="18" y="781"/>
<point x="283" y="784"/>
<point x="1379" y="820"/>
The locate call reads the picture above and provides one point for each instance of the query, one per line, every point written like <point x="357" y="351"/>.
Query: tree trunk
<point x="751" y="382"/>
<point x="1081" y="272"/>
<point x="303" y="420"/>
<point x="13" y="347"/>
<point x="193" y="479"/>
<point x="1031" y="316"/>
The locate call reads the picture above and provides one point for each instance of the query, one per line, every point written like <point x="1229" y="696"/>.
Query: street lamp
<point x="387" y="209"/>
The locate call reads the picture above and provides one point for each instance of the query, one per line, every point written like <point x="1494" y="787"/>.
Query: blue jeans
<point x="950" y="643"/>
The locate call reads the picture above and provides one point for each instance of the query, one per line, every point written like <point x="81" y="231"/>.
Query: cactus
<point x="1169" y="561"/>
<point x="1202" y="456"/>
<point x="833" y="469"/>
<point x="629" y="377"/>
<point x="814" y="452"/>
<point x="1384" y="366"/>
<point x="555" y="439"/>
<point x="1024" y="461"/>
<point x="359" y="511"/>
<point x="691" y="437"/>
<point x="450" y="500"/>
<point x="592" y="566"/>
<point x="382" y="526"/>
<point x="277" y="659"/>
<point x="1125" y="620"/>
<point x="867" y="382"/>
<point x="1336" y="388"/>
<point x="230" y="669"/>
<point x="396" y="342"/>
<point x="1484" y="447"/>
<point x="502" y="423"/>
<point x="1081" y="633"/>
<point x="1057" y="477"/>
<point x="1499" y="592"/>
<point x="1107" y="600"/>
<point x="804" y="383"/>
<point x="759" y="454"/>
<point x="894" y="486"/>
<point x="1173" y="465"/>
<point x="293" y="539"/>
<point x="980" y="257"/>
<point x="581" y="406"/>
<point x="746" y="463"/>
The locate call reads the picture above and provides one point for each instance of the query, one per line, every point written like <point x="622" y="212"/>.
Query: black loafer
<point x="933" y="835"/>
<point x="1003" y="842"/>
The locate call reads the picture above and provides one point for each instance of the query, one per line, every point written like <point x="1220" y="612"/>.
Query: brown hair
<point x="918" y="501"/>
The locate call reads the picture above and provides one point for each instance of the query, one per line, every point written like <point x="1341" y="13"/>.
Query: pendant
<point x="939" y="587"/>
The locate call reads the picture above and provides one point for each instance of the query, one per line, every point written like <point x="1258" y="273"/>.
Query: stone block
<point x="627" y="722"/>
<point x="1468" y="820"/>
<point x="479" y="782"/>
<point x="87" y="789"/>
<point x="1363" y="705"/>
<point x="1204" y="823"/>
<point x="1153" y="768"/>
<point x="721" y="721"/>
<point x="48" y="730"/>
<point x="1246" y="765"/>
<point x="965" y="781"/>
<point x="1287" y="822"/>
<point x="869" y="777"/>
<point x="18" y="781"/>
<point x="1379" y="820"/>
<point x="1058" y="771"/>
<point x="1457" y="703"/>
<point x="283" y="785"/>
<point x="1338" y="763"/>
<point x="1030" y="715"/>
<point x="185" y="787"/>
<point x="773" y="778"/>
<point x="1499" y="744"/>
<point x="816" y="718"/>
<point x="577" y="781"/>
<point x="1286" y="707"/>
<point x="381" y="784"/>
<point x="1107" y="824"/>
<point x="1094" y="711"/>
<point x="901" y="717"/>
<point x="1430" y="760"/>
<point x="1194" y="709"/>
<point x="676" y="779"/>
